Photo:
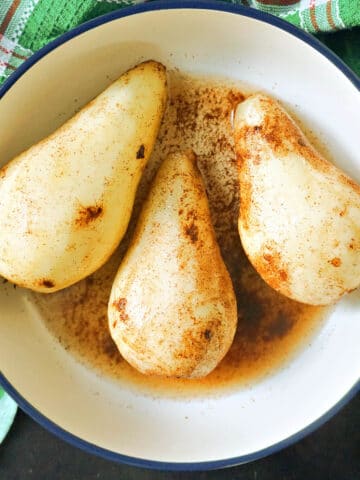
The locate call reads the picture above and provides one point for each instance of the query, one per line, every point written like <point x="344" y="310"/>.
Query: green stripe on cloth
<point x="349" y="13"/>
<point x="50" y="19"/>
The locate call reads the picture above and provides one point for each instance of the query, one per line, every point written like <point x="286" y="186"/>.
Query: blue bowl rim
<point x="124" y="12"/>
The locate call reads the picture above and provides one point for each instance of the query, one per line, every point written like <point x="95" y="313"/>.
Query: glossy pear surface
<point x="299" y="217"/>
<point x="65" y="203"/>
<point x="172" y="309"/>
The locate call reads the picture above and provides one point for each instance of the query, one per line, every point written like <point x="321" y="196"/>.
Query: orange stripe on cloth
<point x="11" y="52"/>
<point x="7" y="65"/>
<point x="313" y="16"/>
<point x="9" y="15"/>
<point x="329" y="16"/>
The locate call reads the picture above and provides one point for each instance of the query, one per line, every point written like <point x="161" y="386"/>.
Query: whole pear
<point x="172" y="309"/>
<point x="65" y="203"/>
<point x="299" y="218"/>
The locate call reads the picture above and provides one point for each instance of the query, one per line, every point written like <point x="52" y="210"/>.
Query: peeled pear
<point x="65" y="203"/>
<point x="299" y="217"/>
<point x="172" y="309"/>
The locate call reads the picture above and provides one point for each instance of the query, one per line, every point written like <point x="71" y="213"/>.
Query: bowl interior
<point x="94" y="408"/>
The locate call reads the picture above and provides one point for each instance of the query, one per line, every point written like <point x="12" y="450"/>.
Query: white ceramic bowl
<point x="89" y="410"/>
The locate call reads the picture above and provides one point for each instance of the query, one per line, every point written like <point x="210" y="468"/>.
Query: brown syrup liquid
<point x="271" y="327"/>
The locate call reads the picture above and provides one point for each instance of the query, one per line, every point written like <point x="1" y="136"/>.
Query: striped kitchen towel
<point x="27" y="25"/>
<point x="313" y="15"/>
